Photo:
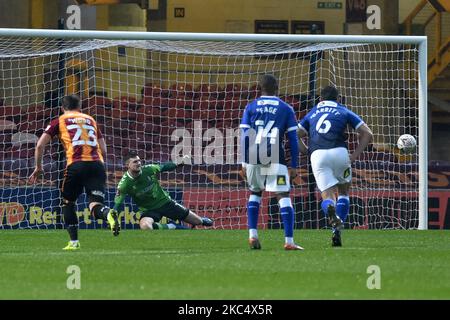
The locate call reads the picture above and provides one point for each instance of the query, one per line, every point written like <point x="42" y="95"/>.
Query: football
<point x="406" y="143"/>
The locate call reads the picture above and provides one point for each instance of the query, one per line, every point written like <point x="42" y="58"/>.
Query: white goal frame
<point x="421" y="41"/>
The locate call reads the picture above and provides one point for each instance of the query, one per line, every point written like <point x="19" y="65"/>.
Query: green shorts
<point x="171" y="210"/>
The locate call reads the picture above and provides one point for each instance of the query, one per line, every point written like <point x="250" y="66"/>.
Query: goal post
<point x="165" y="94"/>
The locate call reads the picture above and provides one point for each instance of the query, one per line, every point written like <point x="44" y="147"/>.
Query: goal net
<point x="165" y="99"/>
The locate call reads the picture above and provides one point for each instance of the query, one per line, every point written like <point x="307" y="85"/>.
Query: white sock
<point x="73" y="241"/>
<point x="289" y="240"/>
<point x="253" y="233"/>
<point x="171" y="226"/>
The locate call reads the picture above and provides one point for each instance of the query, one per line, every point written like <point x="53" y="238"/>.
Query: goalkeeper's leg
<point x="176" y="211"/>
<point x="148" y="223"/>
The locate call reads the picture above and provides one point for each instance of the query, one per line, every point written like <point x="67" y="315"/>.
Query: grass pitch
<point x="217" y="264"/>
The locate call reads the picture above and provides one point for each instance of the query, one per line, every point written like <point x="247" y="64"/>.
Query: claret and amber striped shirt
<point x="78" y="133"/>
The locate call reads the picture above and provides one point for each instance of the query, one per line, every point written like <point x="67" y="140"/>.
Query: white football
<point x="406" y="143"/>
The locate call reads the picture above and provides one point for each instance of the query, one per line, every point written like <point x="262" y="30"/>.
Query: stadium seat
<point x="5" y="139"/>
<point x="224" y="124"/>
<point x="253" y="92"/>
<point x="293" y="102"/>
<point x="22" y="150"/>
<point x="157" y="154"/>
<point x="34" y="127"/>
<point x="166" y="127"/>
<point x="151" y="114"/>
<point x="160" y="140"/>
<point x="7" y="125"/>
<point x="236" y="90"/>
<point x="155" y="91"/>
<point x="181" y="90"/>
<point x="140" y="114"/>
<point x="20" y="138"/>
<point x="93" y="101"/>
<point x="177" y="113"/>
<point x="102" y="110"/>
<point x="10" y="112"/>
<point x="234" y="104"/>
<point x="125" y="103"/>
<point x="209" y="91"/>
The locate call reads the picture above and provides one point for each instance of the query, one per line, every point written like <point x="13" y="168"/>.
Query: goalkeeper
<point x="141" y="183"/>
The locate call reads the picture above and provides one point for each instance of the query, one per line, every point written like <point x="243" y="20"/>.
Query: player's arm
<point x="365" y="136"/>
<point x="293" y="141"/>
<point x="120" y="196"/>
<point x="169" y="166"/>
<point x="38" y="155"/>
<point x="51" y="130"/>
<point x="157" y="168"/>
<point x="244" y="126"/>
<point x="303" y="127"/>
<point x="301" y="133"/>
<point x="102" y="145"/>
<point x="101" y="142"/>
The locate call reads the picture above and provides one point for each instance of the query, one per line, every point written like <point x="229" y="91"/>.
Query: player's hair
<point x="329" y="93"/>
<point x="130" y="155"/>
<point x="70" y="102"/>
<point x="268" y="84"/>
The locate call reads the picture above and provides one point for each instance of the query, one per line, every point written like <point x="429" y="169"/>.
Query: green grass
<point x="217" y="264"/>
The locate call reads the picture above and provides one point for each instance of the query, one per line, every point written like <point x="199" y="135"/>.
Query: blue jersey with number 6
<point x="326" y="124"/>
<point x="270" y="118"/>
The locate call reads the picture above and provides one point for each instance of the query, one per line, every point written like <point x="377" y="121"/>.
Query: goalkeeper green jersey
<point x="145" y="190"/>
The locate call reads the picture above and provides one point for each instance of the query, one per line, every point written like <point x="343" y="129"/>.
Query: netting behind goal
<point x="164" y="99"/>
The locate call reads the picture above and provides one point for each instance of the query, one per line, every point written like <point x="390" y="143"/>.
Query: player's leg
<point x="342" y="210"/>
<point x="256" y="182"/>
<point x="287" y="216"/>
<point x="253" y="205"/>
<point x="322" y="163"/>
<point x="328" y="206"/>
<point x="70" y="190"/>
<point x="343" y="172"/>
<point x="278" y="181"/>
<point x="176" y="211"/>
<point x="150" y="220"/>
<point x="94" y="184"/>
<point x="343" y="201"/>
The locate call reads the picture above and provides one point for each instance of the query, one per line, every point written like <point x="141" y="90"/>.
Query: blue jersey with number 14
<point x="326" y="124"/>
<point x="270" y="117"/>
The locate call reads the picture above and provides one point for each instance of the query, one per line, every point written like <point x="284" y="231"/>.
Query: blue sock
<point x="343" y="207"/>
<point x="253" y="211"/>
<point x="325" y="203"/>
<point x="287" y="215"/>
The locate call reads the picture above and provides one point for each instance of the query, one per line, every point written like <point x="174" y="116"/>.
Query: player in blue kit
<point x="325" y="126"/>
<point x="264" y="124"/>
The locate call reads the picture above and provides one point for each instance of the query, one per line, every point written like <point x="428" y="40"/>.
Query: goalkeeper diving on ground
<point x="140" y="182"/>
